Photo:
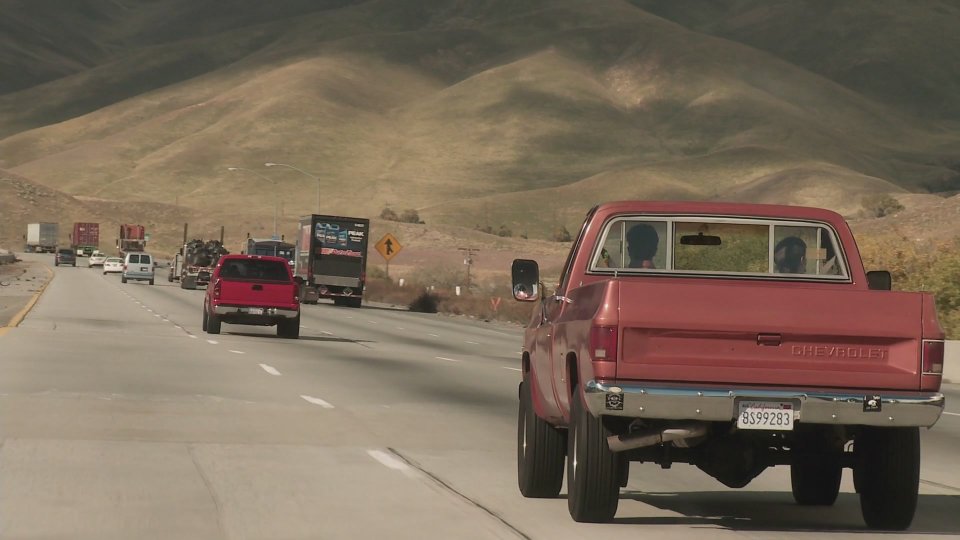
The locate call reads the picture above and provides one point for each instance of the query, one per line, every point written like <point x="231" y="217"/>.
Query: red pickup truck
<point x="254" y="290"/>
<point x="733" y="337"/>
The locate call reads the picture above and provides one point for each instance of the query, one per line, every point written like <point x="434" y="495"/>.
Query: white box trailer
<point x="41" y="237"/>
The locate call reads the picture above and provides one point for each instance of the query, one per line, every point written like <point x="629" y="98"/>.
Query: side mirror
<point x="525" y="275"/>
<point x="879" y="280"/>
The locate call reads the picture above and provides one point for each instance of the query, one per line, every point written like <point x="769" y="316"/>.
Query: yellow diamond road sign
<point x="388" y="246"/>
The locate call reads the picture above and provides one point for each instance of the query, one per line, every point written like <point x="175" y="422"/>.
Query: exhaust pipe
<point x="631" y="441"/>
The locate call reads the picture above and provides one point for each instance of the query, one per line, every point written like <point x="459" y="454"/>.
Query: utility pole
<point x="468" y="254"/>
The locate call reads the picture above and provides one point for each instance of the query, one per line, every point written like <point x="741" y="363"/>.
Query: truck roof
<point x="721" y="208"/>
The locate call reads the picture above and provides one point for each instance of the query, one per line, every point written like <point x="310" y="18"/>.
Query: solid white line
<point x="192" y="336"/>
<point x="212" y="342"/>
<point x="447" y="359"/>
<point x="391" y="462"/>
<point x="270" y="369"/>
<point x="237" y="352"/>
<point x="317" y="401"/>
<point x="513" y="368"/>
<point x="951" y="413"/>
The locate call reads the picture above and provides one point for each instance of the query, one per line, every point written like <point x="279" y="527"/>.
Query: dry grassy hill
<point x="477" y="113"/>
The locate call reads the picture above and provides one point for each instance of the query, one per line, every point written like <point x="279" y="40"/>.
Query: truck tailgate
<point x="764" y="333"/>
<point x="256" y="293"/>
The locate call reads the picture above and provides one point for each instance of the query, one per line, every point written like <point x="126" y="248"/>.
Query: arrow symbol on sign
<point x="389" y="245"/>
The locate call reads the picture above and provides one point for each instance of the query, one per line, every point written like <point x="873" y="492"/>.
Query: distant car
<point x="113" y="265"/>
<point x="97" y="258"/>
<point x="65" y="256"/>
<point x="138" y="267"/>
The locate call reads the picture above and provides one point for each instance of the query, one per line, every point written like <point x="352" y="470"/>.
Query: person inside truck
<point x="790" y="256"/>
<point x="642" y="241"/>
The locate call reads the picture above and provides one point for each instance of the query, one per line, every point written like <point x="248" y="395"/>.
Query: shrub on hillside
<point x="389" y="215"/>
<point x="427" y="302"/>
<point x="561" y="234"/>
<point x="881" y="205"/>
<point x="410" y="216"/>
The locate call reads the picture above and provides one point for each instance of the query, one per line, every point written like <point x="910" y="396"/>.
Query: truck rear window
<point x="255" y="269"/>
<point x="720" y="246"/>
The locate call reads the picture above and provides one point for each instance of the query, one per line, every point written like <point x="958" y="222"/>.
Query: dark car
<point x="65" y="256"/>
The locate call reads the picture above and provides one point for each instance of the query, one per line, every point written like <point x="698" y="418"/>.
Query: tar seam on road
<point x="453" y="490"/>
<point x="210" y="490"/>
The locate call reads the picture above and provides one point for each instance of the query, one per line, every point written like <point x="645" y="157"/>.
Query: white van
<point x="137" y="266"/>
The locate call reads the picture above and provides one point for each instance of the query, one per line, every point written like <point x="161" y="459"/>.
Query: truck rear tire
<point x="150" y="282"/>
<point x="540" y="451"/>
<point x="213" y="323"/>
<point x="289" y="328"/>
<point x="593" y="471"/>
<point x="204" y="324"/>
<point x="123" y="279"/>
<point x="815" y="479"/>
<point x="355" y="302"/>
<point x="889" y="475"/>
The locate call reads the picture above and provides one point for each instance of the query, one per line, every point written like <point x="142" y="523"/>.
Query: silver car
<point x="96" y="259"/>
<point x="138" y="267"/>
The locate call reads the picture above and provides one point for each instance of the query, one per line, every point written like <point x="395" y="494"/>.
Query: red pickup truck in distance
<point x="733" y="337"/>
<point x="255" y="290"/>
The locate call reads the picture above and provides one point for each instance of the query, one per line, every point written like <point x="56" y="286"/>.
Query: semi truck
<point x="270" y="246"/>
<point x="331" y="258"/>
<point x="132" y="239"/>
<point x="193" y="265"/>
<point x="85" y="238"/>
<point x="42" y="237"/>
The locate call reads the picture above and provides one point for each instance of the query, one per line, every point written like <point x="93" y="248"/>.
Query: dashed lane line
<point x="433" y="335"/>
<point x="317" y="401"/>
<point x="212" y="341"/>
<point x="447" y="359"/>
<point x="391" y="462"/>
<point x="237" y="352"/>
<point x="512" y="368"/>
<point x="270" y="369"/>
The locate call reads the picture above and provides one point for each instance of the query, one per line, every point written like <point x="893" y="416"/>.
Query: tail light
<point x="932" y="357"/>
<point x="603" y="343"/>
<point x="217" y="288"/>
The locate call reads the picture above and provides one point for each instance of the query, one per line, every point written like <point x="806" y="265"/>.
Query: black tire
<point x="355" y="302"/>
<point x="593" y="471"/>
<point x="204" y="324"/>
<point x="815" y="479"/>
<point x="889" y="477"/>
<point x="150" y="282"/>
<point x="123" y="279"/>
<point x="337" y="301"/>
<point x="213" y="323"/>
<point x="540" y="451"/>
<point x="289" y="328"/>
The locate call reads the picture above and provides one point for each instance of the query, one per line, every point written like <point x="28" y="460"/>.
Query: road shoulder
<point x="21" y="284"/>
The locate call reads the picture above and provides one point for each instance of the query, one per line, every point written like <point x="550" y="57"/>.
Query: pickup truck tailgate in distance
<point x="252" y="282"/>
<point x="765" y="333"/>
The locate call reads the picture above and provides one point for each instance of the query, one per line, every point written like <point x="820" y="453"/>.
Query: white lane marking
<point x="447" y="359"/>
<point x="951" y="413"/>
<point x="302" y="326"/>
<point x="317" y="401"/>
<point x="212" y="342"/>
<point x="399" y="328"/>
<point x="433" y="335"/>
<point x="472" y="342"/>
<point x="372" y="322"/>
<point x="192" y="336"/>
<point x="391" y="462"/>
<point x="237" y="352"/>
<point x="270" y="369"/>
<point x="513" y="368"/>
<point x="349" y="316"/>
<point x="326" y="333"/>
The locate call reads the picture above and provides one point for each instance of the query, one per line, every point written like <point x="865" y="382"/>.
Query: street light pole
<point x="275" y="201"/>
<point x="298" y="169"/>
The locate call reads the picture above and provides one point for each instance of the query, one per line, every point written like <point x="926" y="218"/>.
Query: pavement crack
<point x="213" y="493"/>
<point x="444" y="485"/>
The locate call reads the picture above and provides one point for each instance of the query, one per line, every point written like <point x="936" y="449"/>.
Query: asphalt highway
<point x="121" y="419"/>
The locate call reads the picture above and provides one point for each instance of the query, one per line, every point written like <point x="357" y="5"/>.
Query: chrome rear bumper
<point x="245" y="310"/>
<point x="634" y="400"/>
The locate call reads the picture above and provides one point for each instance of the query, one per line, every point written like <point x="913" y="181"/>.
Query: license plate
<point x="255" y="311"/>
<point x="767" y="415"/>
<point x="144" y="269"/>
